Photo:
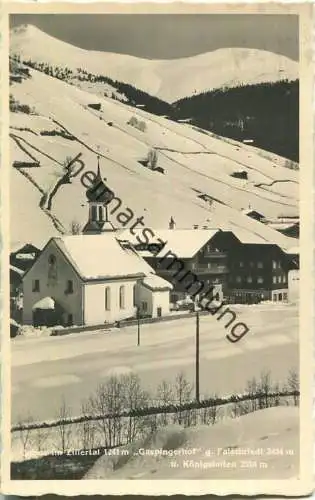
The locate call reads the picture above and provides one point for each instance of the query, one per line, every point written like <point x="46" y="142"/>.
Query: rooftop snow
<point x="101" y="256"/>
<point x="185" y="243"/>
<point x="155" y="282"/>
<point x="45" y="303"/>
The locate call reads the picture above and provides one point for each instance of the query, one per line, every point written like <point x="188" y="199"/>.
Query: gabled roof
<point x="184" y="243"/>
<point x="101" y="256"/>
<point x="154" y="282"/>
<point x="249" y="238"/>
<point x="20" y="247"/>
<point x="16" y="270"/>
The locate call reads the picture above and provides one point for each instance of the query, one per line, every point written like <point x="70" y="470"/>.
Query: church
<point x="92" y="278"/>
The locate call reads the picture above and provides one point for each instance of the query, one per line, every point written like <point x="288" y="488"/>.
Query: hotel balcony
<point x="198" y="270"/>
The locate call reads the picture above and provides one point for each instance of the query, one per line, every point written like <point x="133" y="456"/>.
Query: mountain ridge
<point x="169" y="80"/>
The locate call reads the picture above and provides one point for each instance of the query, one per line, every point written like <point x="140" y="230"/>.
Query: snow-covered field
<point x="194" y="163"/>
<point x="228" y="67"/>
<point x="260" y="445"/>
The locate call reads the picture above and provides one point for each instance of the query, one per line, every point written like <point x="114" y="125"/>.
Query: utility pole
<point x="138" y="318"/>
<point x="197" y="357"/>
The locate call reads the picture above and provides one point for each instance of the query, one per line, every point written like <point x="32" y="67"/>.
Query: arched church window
<point x="52" y="270"/>
<point x="122" y="297"/>
<point x="107" y="298"/>
<point x="100" y="213"/>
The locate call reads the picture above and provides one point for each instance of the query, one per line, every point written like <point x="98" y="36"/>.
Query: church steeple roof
<point x="99" y="192"/>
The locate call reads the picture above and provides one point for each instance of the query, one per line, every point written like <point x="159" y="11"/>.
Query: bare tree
<point x="152" y="159"/>
<point x="135" y="398"/>
<point x="276" y="394"/>
<point x="134" y="122"/>
<point x="68" y="167"/>
<point x="108" y="404"/>
<point x="251" y="390"/>
<point x="40" y="436"/>
<point x="183" y="394"/>
<point x="25" y="432"/>
<point x="63" y="429"/>
<point x="75" y="227"/>
<point x="87" y="428"/>
<point x="211" y="413"/>
<point x="165" y="397"/>
<point x="293" y="384"/>
<point x="265" y="386"/>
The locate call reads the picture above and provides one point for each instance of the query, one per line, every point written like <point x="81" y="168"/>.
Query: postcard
<point x="157" y="246"/>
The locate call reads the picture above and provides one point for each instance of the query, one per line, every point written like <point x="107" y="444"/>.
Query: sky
<point x="169" y="36"/>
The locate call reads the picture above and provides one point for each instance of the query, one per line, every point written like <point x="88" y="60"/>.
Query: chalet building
<point x="22" y="257"/>
<point x="186" y="258"/>
<point x="253" y="214"/>
<point x="258" y="270"/>
<point x="92" y="278"/>
<point x="240" y="266"/>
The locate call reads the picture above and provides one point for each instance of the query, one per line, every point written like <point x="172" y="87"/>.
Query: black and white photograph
<point x="157" y="323"/>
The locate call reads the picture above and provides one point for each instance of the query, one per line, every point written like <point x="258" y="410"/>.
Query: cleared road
<point x="44" y="370"/>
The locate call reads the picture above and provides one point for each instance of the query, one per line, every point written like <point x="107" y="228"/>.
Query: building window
<point x="52" y="259"/>
<point x="35" y="287"/>
<point x="193" y="265"/>
<point x="52" y="270"/>
<point x="284" y="279"/>
<point x="100" y="214"/>
<point x="241" y="264"/>
<point x="144" y="306"/>
<point x="274" y="279"/>
<point x="249" y="279"/>
<point x="238" y="279"/>
<point x="209" y="265"/>
<point x="279" y="264"/>
<point x="69" y="288"/>
<point x="285" y="296"/>
<point x="122" y="297"/>
<point x="260" y="279"/>
<point x="274" y="298"/>
<point x="107" y="298"/>
<point x="94" y="212"/>
<point x="279" y="279"/>
<point x="274" y="264"/>
<point x="260" y="265"/>
<point x="252" y="264"/>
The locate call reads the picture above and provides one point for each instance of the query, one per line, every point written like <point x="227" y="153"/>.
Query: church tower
<point x="171" y="223"/>
<point x="98" y="196"/>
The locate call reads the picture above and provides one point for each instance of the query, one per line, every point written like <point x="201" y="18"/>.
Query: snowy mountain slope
<point x="194" y="163"/>
<point x="170" y="80"/>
